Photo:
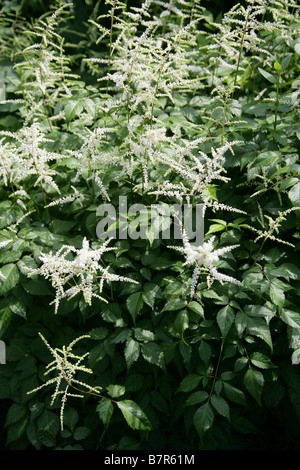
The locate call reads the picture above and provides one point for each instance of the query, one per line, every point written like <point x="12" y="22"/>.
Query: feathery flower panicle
<point x="273" y="227"/>
<point x="204" y="257"/>
<point x="44" y="68"/>
<point x="25" y="156"/>
<point x="196" y="172"/>
<point x="67" y="365"/>
<point x="84" y="270"/>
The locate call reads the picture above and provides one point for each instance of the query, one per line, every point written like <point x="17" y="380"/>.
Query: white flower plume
<point x="67" y="365"/>
<point x="204" y="258"/>
<point x="84" y="270"/>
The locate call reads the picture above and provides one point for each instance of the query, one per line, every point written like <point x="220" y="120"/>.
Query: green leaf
<point x="216" y="228"/>
<point x="37" y="287"/>
<point x="277" y="295"/>
<point x="46" y="438"/>
<point x="268" y="75"/>
<point x="152" y="353"/>
<point x="254" y="382"/>
<point x="143" y="335"/>
<point x="134" y="304"/>
<point x="189" y="382"/>
<point x="277" y="66"/>
<point x="72" y="109"/>
<point x="196" y="397"/>
<point x="286" y="61"/>
<point x="175" y="304"/>
<point x="234" y="394"/>
<point x="220" y="405"/>
<point x="181" y="321"/>
<point x="291" y="318"/>
<point x="294" y="194"/>
<point x="149" y="293"/>
<point x="15" y="413"/>
<point x="225" y="318"/>
<point x="134" y="415"/>
<point x="105" y="410"/>
<point x="89" y="106"/>
<point x="115" y="391"/>
<point x="205" y="351"/>
<point x="203" y="419"/>
<point x="18" y="309"/>
<point x="5" y="317"/>
<point x="131" y="351"/>
<point x="11" y="275"/>
<point x="258" y="327"/>
<point x="71" y="417"/>
<point x="261" y="361"/>
<point x="81" y="433"/>
<point x="197" y="308"/>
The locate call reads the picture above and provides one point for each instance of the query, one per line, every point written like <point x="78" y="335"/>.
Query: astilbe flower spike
<point x="204" y="257"/>
<point x="85" y="269"/>
<point x="67" y="364"/>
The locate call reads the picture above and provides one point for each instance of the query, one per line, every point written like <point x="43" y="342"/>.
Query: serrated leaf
<point x="143" y="335"/>
<point x="234" y="394"/>
<point x="72" y="109"/>
<point x="105" y="410"/>
<point x="277" y="296"/>
<point x="152" y="353"/>
<point x="175" y="304"/>
<point x="10" y="278"/>
<point x="37" y="287"/>
<point x="294" y="194"/>
<point x="290" y="318"/>
<point x="134" y="304"/>
<point x="196" y="397"/>
<point x="197" y="308"/>
<point x="220" y="405"/>
<point x="258" y="327"/>
<point x="81" y="433"/>
<point x="254" y="382"/>
<point x="149" y="293"/>
<point x="18" y="309"/>
<point x="71" y="417"/>
<point x="5" y="317"/>
<point x="14" y="414"/>
<point x="205" y="351"/>
<point x="203" y="419"/>
<point x="46" y="438"/>
<point x="225" y="318"/>
<point x="89" y="106"/>
<point x="134" y="415"/>
<point x="189" y="382"/>
<point x="261" y="361"/>
<point x="132" y="352"/>
<point x="115" y="391"/>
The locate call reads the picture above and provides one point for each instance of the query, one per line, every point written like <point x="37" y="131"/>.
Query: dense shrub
<point x="134" y="341"/>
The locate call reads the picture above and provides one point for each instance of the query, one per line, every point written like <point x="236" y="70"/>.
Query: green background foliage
<point x="216" y="371"/>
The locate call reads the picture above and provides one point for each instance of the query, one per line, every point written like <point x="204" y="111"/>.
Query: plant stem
<point x="277" y="102"/>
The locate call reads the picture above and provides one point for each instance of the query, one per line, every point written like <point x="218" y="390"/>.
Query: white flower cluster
<point x="204" y="257"/>
<point x="84" y="270"/>
<point x="273" y="227"/>
<point x="197" y="172"/>
<point x="26" y="157"/>
<point x="66" y="374"/>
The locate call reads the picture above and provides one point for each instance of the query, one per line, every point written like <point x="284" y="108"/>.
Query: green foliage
<point x="182" y="347"/>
